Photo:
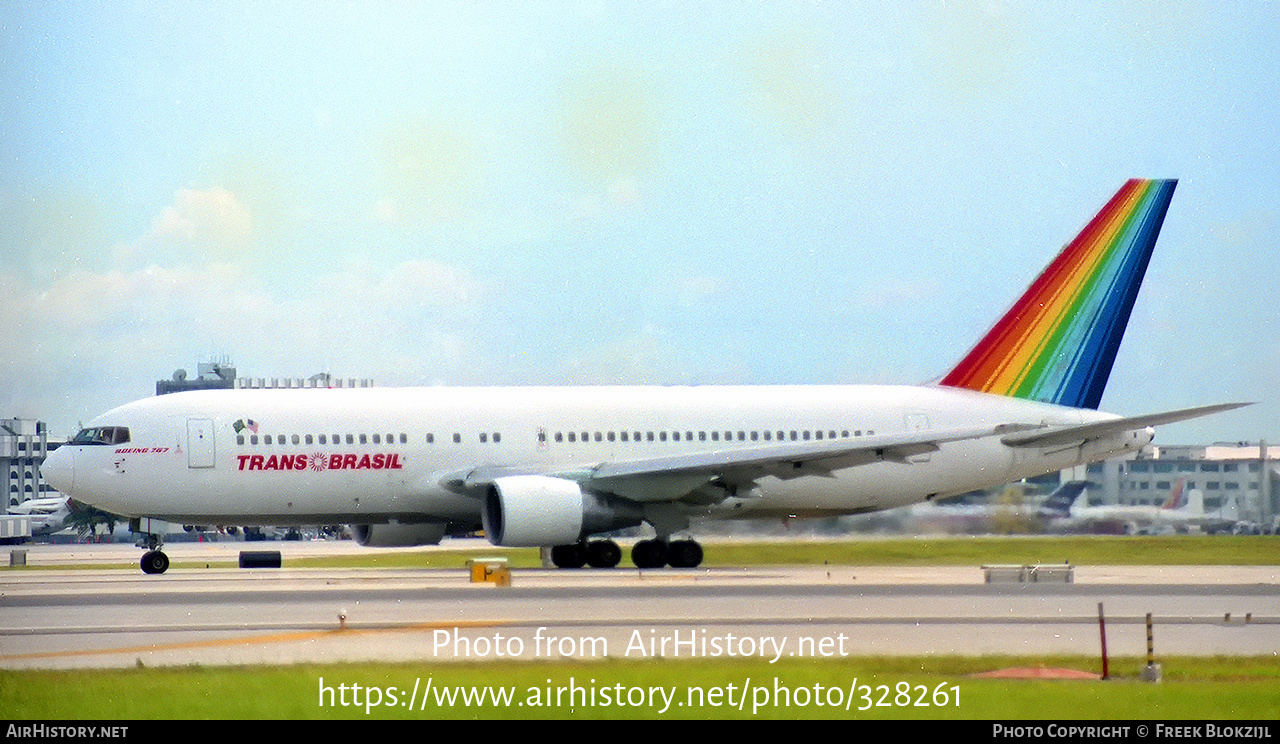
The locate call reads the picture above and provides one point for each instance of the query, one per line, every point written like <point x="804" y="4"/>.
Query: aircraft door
<point x="917" y="422"/>
<point x="200" y="452"/>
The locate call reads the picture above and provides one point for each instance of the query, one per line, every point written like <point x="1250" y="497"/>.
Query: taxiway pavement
<point x="79" y="618"/>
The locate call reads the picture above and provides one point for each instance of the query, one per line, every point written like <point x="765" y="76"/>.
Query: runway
<point x="81" y="618"/>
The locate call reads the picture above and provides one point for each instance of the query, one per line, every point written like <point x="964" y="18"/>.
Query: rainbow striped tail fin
<point x="1059" y="340"/>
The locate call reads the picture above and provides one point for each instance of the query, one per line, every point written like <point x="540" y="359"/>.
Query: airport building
<point x="220" y="375"/>
<point x="23" y="446"/>
<point x="1241" y="473"/>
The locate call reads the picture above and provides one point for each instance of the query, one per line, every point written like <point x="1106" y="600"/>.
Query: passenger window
<point x="457" y="438"/>
<point x="296" y="439"/>
<point x="484" y="438"/>
<point x="377" y="439"/>
<point x="239" y="439"/>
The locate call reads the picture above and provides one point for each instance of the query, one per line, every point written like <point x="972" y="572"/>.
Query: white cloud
<point x="199" y="226"/>
<point x="88" y="341"/>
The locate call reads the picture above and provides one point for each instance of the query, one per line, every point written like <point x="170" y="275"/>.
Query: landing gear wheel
<point x="603" y="554"/>
<point x="569" y="556"/>
<point x="154" y="562"/>
<point x="684" y="554"/>
<point x="649" y="554"/>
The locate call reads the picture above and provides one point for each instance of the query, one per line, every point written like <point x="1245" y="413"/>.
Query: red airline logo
<point x="319" y="462"/>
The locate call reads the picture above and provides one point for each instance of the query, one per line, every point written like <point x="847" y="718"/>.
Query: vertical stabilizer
<point x="1059" y="340"/>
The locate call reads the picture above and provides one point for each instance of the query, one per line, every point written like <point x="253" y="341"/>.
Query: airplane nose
<point x="59" y="470"/>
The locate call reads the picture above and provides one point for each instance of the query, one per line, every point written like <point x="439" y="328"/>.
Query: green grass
<point x="1193" y="688"/>
<point x="1079" y="550"/>
<point x="1173" y="550"/>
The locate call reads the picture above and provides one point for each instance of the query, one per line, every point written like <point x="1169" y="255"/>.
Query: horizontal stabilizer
<point x="1063" y="435"/>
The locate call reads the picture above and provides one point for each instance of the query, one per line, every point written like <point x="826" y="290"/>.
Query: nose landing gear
<point x="154" y="561"/>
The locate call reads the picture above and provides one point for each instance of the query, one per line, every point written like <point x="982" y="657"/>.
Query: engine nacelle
<point x="538" y="511"/>
<point x="397" y="535"/>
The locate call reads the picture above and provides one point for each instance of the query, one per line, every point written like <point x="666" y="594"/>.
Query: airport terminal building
<point x="1242" y="472"/>
<point x="23" y="446"/>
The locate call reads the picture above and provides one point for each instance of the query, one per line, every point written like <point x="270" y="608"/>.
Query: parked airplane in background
<point x="556" y="466"/>
<point x="48" y="515"/>
<point x="1183" y="510"/>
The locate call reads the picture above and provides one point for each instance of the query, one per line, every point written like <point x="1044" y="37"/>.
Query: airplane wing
<point x="1076" y="433"/>
<point x="678" y="476"/>
<point x="665" y="478"/>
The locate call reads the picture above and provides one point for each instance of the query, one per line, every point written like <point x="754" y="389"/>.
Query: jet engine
<point x="395" y="535"/>
<point x="538" y="510"/>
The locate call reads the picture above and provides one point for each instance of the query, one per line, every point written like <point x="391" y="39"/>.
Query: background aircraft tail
<point x="1059" y="503"/>
<point x="1177" y="497"/>
<point x="1059" y="340"/>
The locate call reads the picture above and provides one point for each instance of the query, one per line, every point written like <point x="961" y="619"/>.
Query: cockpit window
<point x="102" y="435"/>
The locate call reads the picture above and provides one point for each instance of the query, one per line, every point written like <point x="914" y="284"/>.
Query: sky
<point x="510" y="193"/>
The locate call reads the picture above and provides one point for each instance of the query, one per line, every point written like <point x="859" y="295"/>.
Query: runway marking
<point x="257" y="639"/>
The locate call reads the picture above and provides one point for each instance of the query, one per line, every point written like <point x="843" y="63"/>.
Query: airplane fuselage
<point x="374" y="455"/>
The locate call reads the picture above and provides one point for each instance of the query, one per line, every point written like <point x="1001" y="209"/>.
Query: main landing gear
<point x="595" y="553"/>
<point x="654" y="553"/>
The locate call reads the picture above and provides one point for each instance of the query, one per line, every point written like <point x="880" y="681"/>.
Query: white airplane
<point x="1183" y="510"/>
<point x="48" y="515"/>
<point x="545" y="466"/>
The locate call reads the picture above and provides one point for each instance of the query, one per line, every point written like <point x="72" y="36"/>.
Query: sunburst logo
<point x="319" y="462"/>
